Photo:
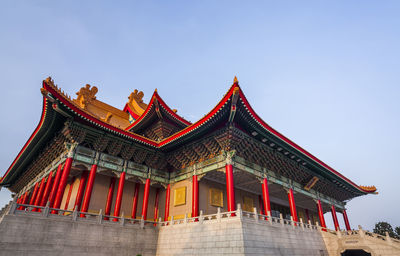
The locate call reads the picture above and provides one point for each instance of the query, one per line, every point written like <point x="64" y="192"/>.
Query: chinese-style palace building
<point x="147" y="166"/>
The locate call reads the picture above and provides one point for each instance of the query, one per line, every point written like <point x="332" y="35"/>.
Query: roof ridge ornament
<point x="370" y="189"/>
<point x="235" y="80"/>
<point x="50" y="82"/>
<point x="86" y="95"/>
<point x="137" y="96"/>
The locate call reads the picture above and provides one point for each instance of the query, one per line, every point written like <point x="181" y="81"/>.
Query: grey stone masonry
<point x="208" y="238"/>
<point x="263" y="238"/>
<point x="26" y="232"/>
<point x="238" y="236"/>
<point x="30" y="234"/>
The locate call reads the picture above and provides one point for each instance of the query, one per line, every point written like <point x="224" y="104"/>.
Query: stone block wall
<point x="31" y="233"/>
<point x="208" y="238"/>
<point x="262" y="238"/>
<point x="35" y="235"/>
<point x="235" y="236"/>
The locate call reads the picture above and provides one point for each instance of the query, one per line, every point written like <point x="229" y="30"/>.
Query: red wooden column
<point x="24" y="200"/>
<point x="81" y="188"/>
<point x="346" y="220"/>
<point x="145" y="199"/>
<point x="334" y="217"/>
<point x="167" y="196"/>
<point x="230" y="188"/>
<point x="265" y="195"/>
<point x="195" y="196"/>
<point x="135" y="200"/>
<point x="63" y="182"/>
<point x="19" y="201"/>
<point x="292" y="205"/>
<point x="34" y="193"/>
<point x="39" y="194"/>
<point x="321" y="214"/>
<point x="109" y="197"/>
<point x="89" y="186"/>
<point x="120" y="192"/>
<point x="47" y="189"/>
<point x="156" y="205"/>
<point x="56" y="182"/>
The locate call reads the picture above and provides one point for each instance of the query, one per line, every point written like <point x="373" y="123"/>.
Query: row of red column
<point x="118" y="201"/>
<point x="266" y="205"/>
<point x="52" y="191"/>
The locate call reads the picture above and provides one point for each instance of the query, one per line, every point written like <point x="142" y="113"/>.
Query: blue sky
<point x="323" y="73"/>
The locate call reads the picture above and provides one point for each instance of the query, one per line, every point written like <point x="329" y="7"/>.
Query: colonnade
<point x="51" y="191"/>
<point x="266" y="205"/>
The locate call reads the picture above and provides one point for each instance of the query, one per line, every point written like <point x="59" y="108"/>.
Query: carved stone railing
<point x="242" y="215"/>
<point x="360" y="233"/>
<point x="46" y="212"/>
<point x="100" y="218"/>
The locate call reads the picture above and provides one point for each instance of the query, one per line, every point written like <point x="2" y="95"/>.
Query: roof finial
<point x="235" y="80"/>
<point x="155" y="90"/>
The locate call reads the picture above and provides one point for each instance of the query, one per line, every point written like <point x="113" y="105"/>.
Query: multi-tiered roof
<point x="231" y="125"/>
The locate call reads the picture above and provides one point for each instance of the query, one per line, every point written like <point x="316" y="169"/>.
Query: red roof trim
<point x="95" y="120"/>
<point x="184" y="131"/>
<point x="169" y="110"/>
<point x="265" y="125"/>
<point x="143" y="115"/>
<point x="157" y="97"/>
<point x="201" y="121"/>
<point x="291" y="143"/>
<point x="133" y="114"/>
<point x="42" y="118"/>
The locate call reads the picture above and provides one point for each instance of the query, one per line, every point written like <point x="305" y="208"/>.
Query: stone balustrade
<point x="45" y="211"/>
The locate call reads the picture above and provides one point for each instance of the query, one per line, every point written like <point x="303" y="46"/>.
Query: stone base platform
<point x="231" y="233"/>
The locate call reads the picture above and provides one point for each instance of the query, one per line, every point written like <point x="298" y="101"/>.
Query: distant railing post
<point x="75" y="214"/>
<point x="142" y="222"/>
<point x="361" y="231"/>
<point x="219" y="214"/>
<point x="13" y="207"/>
<point x="388" y="238"/>
<point x="239" y="211"/>
<point x="309" y="224"/>
<point x="255" y="214"/>
<point x="301" y="223"/>
<point x="185" y="220"/>
<point x="46" y="210"/>
<point x="281" y="219"/>
<point x="269" y="217"/>
<point x="292" y="221"/>
<point x="201" y="217"/>
<point x="100" y="220"/>
<point x="122" y="219"/>
<point x="172" y="220"/>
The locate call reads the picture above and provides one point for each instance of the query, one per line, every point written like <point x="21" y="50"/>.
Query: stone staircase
<point x="378" y="245"/>
<point x="5" y="210"/>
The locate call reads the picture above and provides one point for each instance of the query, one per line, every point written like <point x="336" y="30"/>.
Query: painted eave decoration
<point x="231" y="101"/>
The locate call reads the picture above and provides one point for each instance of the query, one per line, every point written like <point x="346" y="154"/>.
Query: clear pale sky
<point x="323" y="73"/>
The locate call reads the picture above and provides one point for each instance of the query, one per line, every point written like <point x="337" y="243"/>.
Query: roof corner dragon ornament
<point x="86" y="95"/>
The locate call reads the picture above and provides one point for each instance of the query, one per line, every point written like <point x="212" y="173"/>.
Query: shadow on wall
<point x="355" y="253"/>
